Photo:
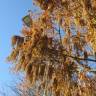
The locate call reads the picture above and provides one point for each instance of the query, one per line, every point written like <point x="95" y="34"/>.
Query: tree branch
<point x="85" y="59"/>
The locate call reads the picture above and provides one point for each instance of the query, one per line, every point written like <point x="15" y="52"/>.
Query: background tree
<point x="56" y="47"/>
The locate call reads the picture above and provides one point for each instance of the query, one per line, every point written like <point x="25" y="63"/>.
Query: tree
<point x="57" y="46"/>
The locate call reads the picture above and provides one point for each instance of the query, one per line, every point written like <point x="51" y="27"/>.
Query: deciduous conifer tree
<point x="57" y="48"/>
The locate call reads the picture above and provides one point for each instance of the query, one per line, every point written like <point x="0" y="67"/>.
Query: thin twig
<point x="85" y="59"/>
<point x="60" y="36"/>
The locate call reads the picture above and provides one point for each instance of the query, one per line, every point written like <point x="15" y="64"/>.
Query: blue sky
<point x="11" y="13"/>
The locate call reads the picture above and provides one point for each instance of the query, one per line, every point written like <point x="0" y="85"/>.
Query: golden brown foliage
<point x="56" y="47"/>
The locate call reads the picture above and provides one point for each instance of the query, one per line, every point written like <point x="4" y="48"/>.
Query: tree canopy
<point x="56" y="47"/>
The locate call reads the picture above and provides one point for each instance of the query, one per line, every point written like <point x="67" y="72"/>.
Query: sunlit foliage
<point x="56" y="49"/>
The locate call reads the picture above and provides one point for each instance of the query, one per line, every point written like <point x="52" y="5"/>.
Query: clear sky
<point x="11" y="13"/>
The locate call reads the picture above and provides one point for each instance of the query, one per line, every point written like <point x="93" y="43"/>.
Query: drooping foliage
<point x="55" y="50"/>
